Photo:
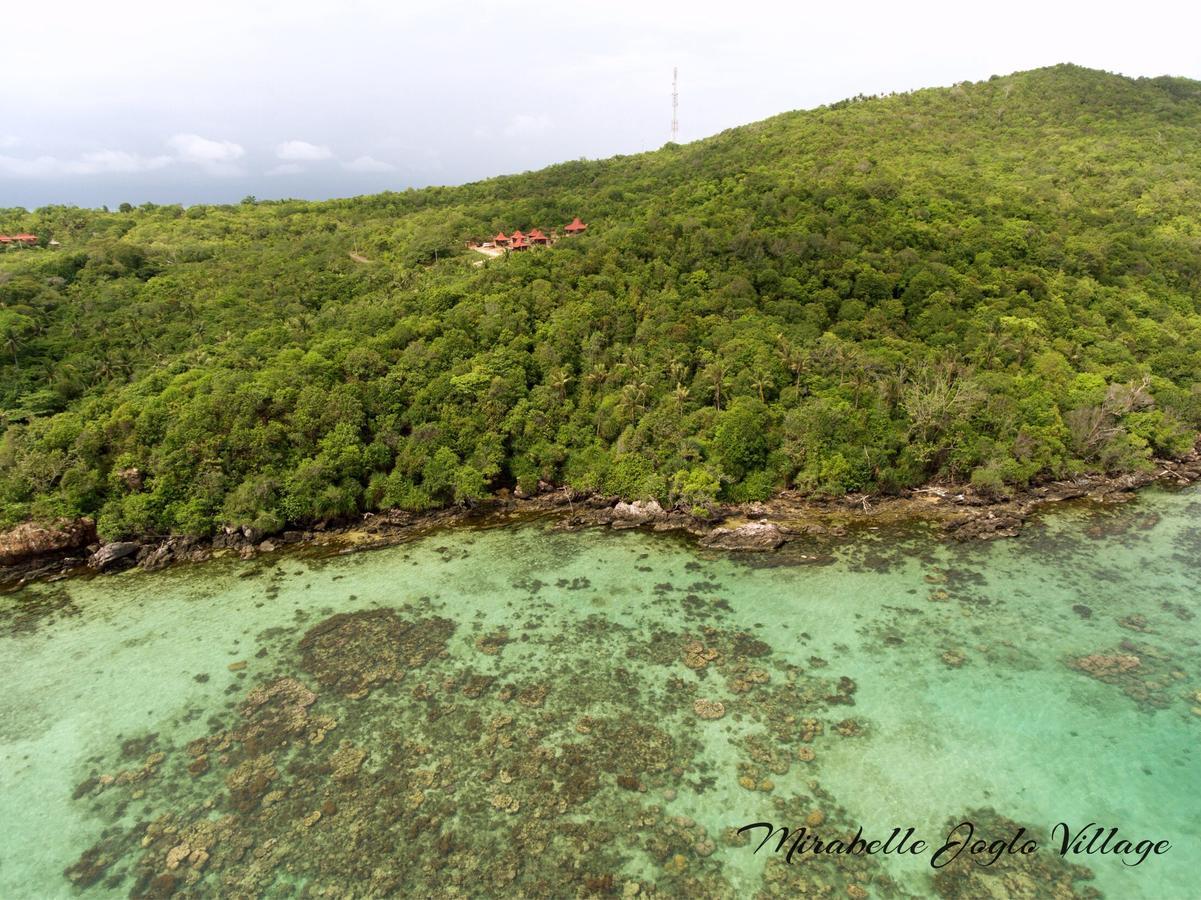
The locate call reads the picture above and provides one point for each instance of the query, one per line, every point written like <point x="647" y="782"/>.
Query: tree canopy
<point x="997" y="281"/>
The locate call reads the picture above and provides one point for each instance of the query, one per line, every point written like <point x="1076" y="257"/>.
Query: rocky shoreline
<point x="68" y="547"/>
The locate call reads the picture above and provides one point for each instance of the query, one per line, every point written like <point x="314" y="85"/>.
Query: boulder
<point x="750" y="536"/>
<point x="29" y="539"/>
<point x="157" y="558"/>
<point x="110" y="553"/>
<point x="640" y="512"/>
<point x="985" y="524"/>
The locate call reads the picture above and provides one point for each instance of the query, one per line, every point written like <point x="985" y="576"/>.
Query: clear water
<point x="512" y="711"/>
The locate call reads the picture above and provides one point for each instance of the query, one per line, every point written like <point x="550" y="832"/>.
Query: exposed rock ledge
<point x="32" y="551"/>
<point x="111" y="553"/>
<point x="30" y="540"/>
<point x="750" y="536"/>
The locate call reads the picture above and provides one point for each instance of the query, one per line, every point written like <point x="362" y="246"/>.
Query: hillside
<point x="997" y="281"/>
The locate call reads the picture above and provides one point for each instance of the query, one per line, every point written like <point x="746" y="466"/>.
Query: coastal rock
<point x="110" y="553"/>
<point x="640" y="512"/>
<point x="157" y="558"/>
<point x="751" y="536"/>
<point x="29" y="539"/>
<point x="985" y="525"/>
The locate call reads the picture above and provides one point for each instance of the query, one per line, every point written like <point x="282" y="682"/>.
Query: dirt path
<point x="358" y="257"/>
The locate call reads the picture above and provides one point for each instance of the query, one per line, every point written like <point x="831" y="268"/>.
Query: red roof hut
<point x="518" y="242"/>
<point x="575" y="226"/>
<point x="537" y="237"/>
<point x="26" y="238"/>
<point x="500" y="240"/>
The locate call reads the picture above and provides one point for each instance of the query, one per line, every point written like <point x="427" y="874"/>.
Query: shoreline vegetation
<point x="994" y="285"/>
<point x="960" y="513"/>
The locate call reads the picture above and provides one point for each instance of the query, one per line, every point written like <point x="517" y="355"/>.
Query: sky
<point x="172" y="102"/>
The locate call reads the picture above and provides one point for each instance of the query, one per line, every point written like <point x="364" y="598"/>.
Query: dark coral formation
<point x="353" y="652"/>
<point x="1148" y="675"/>
<point x="341" y="774"/>
<point x="391" y="762"/>
<point x="1016" y="876"/>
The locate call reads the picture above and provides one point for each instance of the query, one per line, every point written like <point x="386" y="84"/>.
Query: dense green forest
<point x="997" y="281"/>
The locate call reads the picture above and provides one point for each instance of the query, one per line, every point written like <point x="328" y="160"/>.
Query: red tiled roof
<point x="575" y="225"/>
<point x="517" y="235"/>
<point x="500" y="236"/>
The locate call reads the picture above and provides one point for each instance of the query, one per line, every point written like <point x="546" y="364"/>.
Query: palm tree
<point x="559" y="380"/>
<point x="716" y="374"/>
<point x="761" y="381"/>
<point x="681" y="396"/>
<point x="597" y="375"/>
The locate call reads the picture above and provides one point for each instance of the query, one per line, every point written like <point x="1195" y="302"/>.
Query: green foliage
<point x="634" y="477"/>
<point x="998" y="282"/>
<point x="696" y="489"/>
<point x="740" y="438"/>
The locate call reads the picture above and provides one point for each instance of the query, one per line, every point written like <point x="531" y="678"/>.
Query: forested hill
<point x="996" y="281"/>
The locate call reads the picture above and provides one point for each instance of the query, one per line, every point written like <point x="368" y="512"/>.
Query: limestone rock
<point x="751" y="536"/>
<point x="640" y="512"/>
<point x="157" y="558"/>
<point x="110" y="553"/>
<point x="29" y="539"/>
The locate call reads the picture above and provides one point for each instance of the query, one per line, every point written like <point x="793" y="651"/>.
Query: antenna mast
<point x="675" y="104"/>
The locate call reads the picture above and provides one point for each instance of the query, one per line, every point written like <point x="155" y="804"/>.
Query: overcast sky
<point x="160" y="100"/>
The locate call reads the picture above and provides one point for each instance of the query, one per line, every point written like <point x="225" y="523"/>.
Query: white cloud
<point x="524" y="126"/>
<point x="286" y="169"/>
<point x="302" y="150"/>
<point x="217" y="157"/>
<point x="8" y="140"/>
<point x="368" y="164"/>
<point x="99" y="162"/>
<point x="117" y="161"/>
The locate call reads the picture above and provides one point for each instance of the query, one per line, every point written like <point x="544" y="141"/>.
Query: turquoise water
<point x="514" y="711"/>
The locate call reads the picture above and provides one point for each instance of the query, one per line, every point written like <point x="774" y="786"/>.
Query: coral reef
<point x="477" y="784"/>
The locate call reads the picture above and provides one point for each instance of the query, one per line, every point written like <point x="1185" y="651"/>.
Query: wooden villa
<point x="14" y="240"/>
<point x="518" y="240"/>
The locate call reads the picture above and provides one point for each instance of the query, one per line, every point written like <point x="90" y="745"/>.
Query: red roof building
<point x="517" y="235"/>
<point x="5" y="239"/>
<point x="519" y="243"/>
<point x="500" y="239"/>
<point x="537" y="237"/>
<point x="26" y="238"/>
<point x="575" y="226"/>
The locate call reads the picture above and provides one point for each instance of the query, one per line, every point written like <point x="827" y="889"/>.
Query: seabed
<point x="525" y="712"/>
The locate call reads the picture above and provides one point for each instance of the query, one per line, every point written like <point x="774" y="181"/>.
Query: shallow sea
<point x="521" y="711"/>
